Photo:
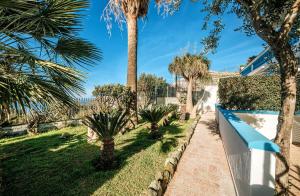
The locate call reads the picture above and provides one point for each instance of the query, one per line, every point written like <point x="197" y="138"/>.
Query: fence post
<point x="155" y="94"/>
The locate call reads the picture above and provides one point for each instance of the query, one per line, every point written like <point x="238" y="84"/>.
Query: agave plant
<point x="153" y="115"/>
<point x="107" y="125"/>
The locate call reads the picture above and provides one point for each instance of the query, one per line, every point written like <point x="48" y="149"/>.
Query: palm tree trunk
<point x="288" y="69"/>
<point x="132" y="57"/>
<point x="108" y="150"/>
<point x="91" y="136"/>
<point x="189" y="98"/>
<point x="154" y="133"/>
<point x="154" y="127"/>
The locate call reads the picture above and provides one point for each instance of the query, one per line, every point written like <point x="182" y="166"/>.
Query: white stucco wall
<point x="266" y="124"/>
<point x="262" y="175"/>
<point x="253" y="170"/>
<point x="238" y="156"/>
<point x="263" y="123"/>
<point x="167" y="100"/>
<point x="209" y="99"/>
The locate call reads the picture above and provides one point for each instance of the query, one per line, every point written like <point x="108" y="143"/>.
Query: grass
<point x="48" y="165"/>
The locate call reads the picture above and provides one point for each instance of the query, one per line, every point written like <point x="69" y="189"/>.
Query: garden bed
<point x="50" y="165"/>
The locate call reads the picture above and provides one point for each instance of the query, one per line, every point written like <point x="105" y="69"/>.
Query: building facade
<point x="262" y="62"/>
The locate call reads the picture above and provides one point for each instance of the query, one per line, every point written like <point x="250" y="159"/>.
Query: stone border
<point x="43" y="127"/>
<point x="162" y="178"/>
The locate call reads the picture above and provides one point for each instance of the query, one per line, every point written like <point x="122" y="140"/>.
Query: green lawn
<point x="48" y="165"/>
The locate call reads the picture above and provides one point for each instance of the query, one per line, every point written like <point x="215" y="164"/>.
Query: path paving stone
<point x="295" y="171"/>
<point x="203" y="168"/>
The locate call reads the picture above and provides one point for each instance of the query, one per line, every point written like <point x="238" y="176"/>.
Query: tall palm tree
<point x="130" y="11"/>
<point x="191" y="68"/>
<point x="39" y="52"/>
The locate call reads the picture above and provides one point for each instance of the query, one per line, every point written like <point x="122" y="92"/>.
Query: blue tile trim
<point x="252" y="138"/>
<point x="256" y="112"/>
<point x="260" y="112"/>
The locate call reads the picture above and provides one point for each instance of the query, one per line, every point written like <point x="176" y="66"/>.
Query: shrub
<point x="107" y="125"/>
<point x="153" y="115"/>
<point x="148" y="85"/>
<point x="251" y="93"/>
<point x="113" y="96"/>
<point x="171" y="114"/>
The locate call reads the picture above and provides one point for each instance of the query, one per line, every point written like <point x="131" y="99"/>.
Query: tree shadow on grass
<point x="140" y="142"/>
<point x="46" y="165"/>
<point x="50" y="165"/>
<point x="172" y="129"/>
<point x="172" y="134"/>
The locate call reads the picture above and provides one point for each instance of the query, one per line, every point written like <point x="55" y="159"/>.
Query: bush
<point x="113" y="96"/>
<point x="107" y="125"/>
<point x="153" y="115"/>
<point x="251" y="93"/>
<point x="171" y="114"/>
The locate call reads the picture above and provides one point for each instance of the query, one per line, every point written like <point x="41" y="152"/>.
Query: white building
<point x="264" y="59"/>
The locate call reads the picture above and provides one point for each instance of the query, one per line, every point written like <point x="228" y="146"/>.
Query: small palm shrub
<point x="107" y="125"/>
<point x="153" y="115"/>
<point x="171" y="114"/>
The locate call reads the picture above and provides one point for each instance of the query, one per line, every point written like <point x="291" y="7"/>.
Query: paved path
<point x="295" y="171"/>
<point x="203" y="168"/>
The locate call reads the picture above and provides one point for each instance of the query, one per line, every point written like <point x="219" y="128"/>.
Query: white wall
<point x="266" y="124"/>
<point x="167" y="100"/>
<point x="262" y="179"/>
<point x="263" y="123"/>
<point x="209" y="98"/>
<point x="238" y="156"/>
<point x="253" y="170"/>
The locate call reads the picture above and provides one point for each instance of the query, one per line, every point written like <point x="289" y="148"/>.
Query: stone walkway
<point x="203" y="168"/>
<point x="295" y="171"/>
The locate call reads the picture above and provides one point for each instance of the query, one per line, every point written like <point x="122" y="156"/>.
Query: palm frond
<point x="154" y="114"/>
<point x="39" y="52"/>
<point x="107" y="125"/>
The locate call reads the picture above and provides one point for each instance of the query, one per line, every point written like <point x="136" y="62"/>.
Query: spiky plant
<point x="39" y="52"/>
<point x="107" y="125"/>
<point x="153" y="115"/>
<point x="171" y="114"/>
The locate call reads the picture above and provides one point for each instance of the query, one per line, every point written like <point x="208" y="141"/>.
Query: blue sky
<point x="160" y="40"/>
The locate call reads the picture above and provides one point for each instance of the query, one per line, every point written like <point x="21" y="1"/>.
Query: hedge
<point x="251" y="93"/>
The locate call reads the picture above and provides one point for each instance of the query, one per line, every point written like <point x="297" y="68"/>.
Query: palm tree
<point x="39" y="52"/>
<point x="191" y="68"/>
<point x="107" y="125"/>
<point x="130" y="11"/>
<point x="153" y="115"/>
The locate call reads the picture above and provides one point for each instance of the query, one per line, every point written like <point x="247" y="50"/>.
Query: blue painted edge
<point x="252" y="138"/>
<point x="257" y="112"/>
